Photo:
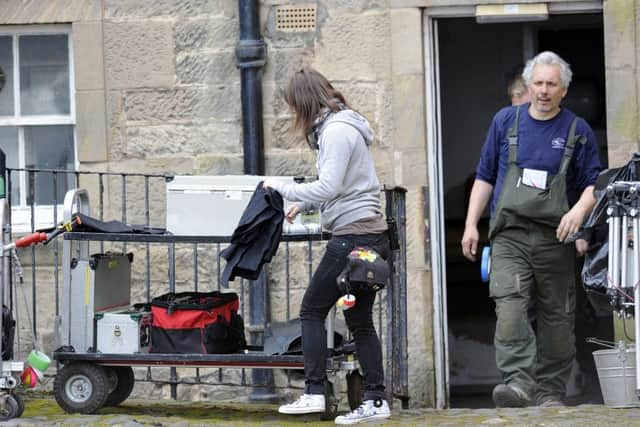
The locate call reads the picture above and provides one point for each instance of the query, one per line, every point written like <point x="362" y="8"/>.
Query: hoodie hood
<point x="347" y="189"/>
<point x="354" y="119"/>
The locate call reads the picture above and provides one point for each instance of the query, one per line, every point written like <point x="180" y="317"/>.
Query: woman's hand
<point x="269" y="183"/>
<point x="292" y="213"/>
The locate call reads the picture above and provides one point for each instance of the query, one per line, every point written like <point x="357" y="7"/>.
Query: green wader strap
<point x="513" y="138"/>
<point x="569" y="148"/>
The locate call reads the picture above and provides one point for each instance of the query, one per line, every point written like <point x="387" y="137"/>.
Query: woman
<point x="347" y="193"/>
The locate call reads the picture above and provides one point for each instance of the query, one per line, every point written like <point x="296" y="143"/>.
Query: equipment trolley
<point x="11" y="403"/>
<point x="88" y="380"/>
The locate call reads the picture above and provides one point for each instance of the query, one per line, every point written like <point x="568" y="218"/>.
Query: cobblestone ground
<point x="44" y="412"/>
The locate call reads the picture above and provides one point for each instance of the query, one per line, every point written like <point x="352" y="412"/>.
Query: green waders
<point x="524" y="253"/>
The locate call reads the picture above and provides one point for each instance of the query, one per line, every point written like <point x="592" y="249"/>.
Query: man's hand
<point x="572" y="220"/>
<point x="470" y="240"/>
<point x="292" y="213"/>
<point x="581" y="247"/>
<point x="570" y="223"/>
<point x="480" y="195"/>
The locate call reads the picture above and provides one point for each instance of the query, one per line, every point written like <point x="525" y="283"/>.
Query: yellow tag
<point x="86" y="286"/>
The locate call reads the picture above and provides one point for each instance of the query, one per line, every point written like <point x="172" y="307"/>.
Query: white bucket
<point x="617" y="374"/>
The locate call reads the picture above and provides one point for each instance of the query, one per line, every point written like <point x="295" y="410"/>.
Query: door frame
<point x="435" y="193"/>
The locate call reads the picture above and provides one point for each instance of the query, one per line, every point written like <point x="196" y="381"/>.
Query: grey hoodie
<point x="347" y="188"/>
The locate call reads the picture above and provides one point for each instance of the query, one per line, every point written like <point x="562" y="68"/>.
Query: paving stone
<point x="44" y="412"/>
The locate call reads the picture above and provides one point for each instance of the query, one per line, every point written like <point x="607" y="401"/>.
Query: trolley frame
<point x="78" y="201"/>
<point x="623" y="211"/>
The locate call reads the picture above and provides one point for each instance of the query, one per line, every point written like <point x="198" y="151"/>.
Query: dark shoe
<point x="550" y="402"/>
<point x="510" y="396"/>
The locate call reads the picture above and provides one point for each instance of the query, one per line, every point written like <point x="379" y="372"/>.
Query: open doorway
<point x="476" y="63"/>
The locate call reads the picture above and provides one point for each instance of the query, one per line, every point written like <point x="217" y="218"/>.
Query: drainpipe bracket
<point x="251" y="53"/>
<point x="251" y="64"/>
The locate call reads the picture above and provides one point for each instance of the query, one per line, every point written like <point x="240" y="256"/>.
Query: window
<point x="37" y="116"/>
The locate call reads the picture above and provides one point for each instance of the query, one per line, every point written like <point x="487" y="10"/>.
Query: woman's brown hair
<point x="308" y="93"/>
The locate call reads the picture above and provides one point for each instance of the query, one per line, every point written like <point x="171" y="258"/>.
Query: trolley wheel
<point x="21" y="404"/>
<point x="124" y="385"/>
<point x="354" y="389"/>
<point x="331" y="402"/>
<point x="9" y="407"/>
<point x="81" y="387"/>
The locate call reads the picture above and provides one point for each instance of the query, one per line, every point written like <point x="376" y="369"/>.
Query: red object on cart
<point x="28" y="240"/>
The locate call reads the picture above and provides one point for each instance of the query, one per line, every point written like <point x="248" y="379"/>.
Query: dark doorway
<point x="476" y="63"/>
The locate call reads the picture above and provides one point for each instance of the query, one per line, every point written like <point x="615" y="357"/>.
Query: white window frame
<point x="44" y="214"/>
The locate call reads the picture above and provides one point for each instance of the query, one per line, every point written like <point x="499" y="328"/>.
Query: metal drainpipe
<point x="251" y="54"/>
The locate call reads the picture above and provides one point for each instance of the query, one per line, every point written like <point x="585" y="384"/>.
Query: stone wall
<point x="621" y="66"/>
<point x="157" y="91"/>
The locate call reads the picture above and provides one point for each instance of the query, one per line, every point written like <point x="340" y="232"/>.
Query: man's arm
<point x="480" y="195"/>
<point x="572" y="220"/>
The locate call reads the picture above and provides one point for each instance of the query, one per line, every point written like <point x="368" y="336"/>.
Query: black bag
<point x="83" y="223"/>
<point x="8" y="332"/>
<point x="366" y="271"/>
<point x="595" y="270"/>
<point x="197" y="322"/>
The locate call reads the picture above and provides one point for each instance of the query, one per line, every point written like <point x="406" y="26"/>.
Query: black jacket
<point x="256" y="237"/>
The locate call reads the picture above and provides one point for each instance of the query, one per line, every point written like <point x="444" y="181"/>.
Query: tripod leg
<point x="636" y="295"/>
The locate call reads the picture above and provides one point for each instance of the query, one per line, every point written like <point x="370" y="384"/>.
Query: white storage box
<point x="124" y="332"/>
<point x="213" y="205"/>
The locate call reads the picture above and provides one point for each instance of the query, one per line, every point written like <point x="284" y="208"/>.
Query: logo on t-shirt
<point x="557" y="143"/>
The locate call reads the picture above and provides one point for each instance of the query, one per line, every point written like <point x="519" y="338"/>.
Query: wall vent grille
<point x="299" y="18"/>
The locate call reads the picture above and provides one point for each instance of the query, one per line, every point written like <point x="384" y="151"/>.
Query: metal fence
<point x="36" y="196"/>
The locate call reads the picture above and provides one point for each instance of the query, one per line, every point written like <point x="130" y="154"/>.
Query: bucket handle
<point x="608" y="344"/>
<point x="621" y="346"/>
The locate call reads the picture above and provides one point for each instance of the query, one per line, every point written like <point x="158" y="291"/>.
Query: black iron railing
<point x="137" y="198"/>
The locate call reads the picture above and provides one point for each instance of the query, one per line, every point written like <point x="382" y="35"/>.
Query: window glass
<point x="44" y="74"/>
<point x="9" y="145"/>
<point x="6" y="76"/>
<point x="49" y="147"/>
<point x="35" y="96"/>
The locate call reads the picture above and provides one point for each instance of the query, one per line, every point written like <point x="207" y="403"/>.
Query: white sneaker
<point x="306" y="404"/>
<point x="370" y="410"/>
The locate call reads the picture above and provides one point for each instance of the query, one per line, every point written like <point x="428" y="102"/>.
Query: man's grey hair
<point x="548" y="58"/>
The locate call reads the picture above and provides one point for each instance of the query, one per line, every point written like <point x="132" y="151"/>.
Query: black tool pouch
<point x="366" y="271"/>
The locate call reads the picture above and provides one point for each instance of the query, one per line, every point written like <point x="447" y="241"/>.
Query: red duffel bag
<point x="197" y="322"/>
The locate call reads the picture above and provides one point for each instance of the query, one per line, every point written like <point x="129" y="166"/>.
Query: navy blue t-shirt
<point x="540" y="146"/>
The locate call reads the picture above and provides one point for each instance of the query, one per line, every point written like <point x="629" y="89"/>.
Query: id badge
<point x="535" y="178"/>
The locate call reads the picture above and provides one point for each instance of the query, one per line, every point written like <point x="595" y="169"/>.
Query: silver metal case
<point x="98" y="285"/>
<point x="123" y="332"/>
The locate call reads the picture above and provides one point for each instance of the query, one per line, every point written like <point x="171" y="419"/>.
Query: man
<point x="517" y="91"/>
<point x="538" y="166"/>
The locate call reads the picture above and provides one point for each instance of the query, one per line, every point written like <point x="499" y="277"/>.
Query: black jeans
<point x="318" y="299"/>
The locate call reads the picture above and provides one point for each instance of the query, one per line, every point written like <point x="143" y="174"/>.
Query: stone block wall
<point x="621" y="67"/>
<point x="157" y="91"/>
